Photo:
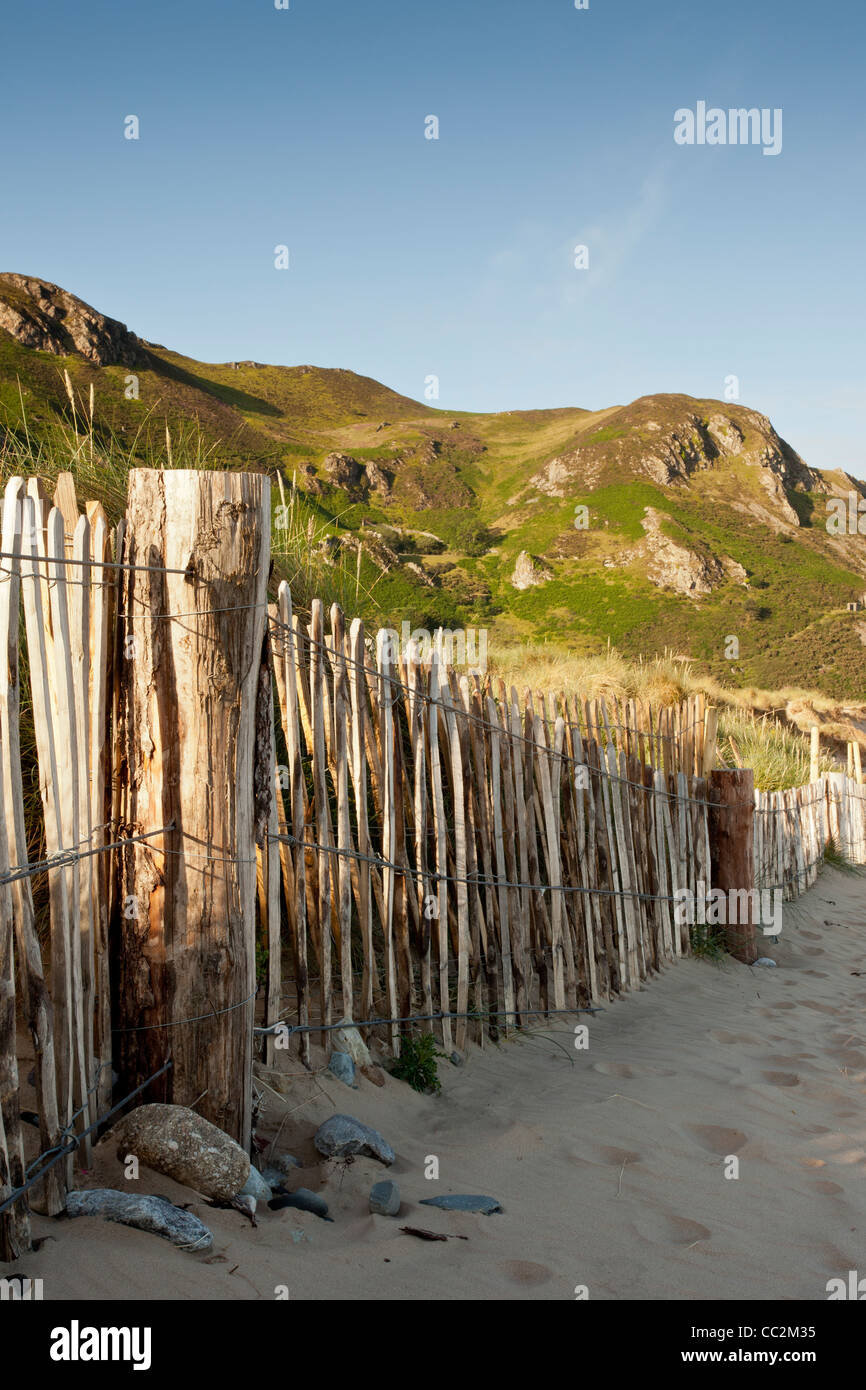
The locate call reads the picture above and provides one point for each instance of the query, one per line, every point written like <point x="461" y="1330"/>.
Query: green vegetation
<point x="480" y="485"/>
<point x="417" y="1063"/>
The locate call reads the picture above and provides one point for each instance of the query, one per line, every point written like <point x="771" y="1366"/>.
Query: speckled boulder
<point x="176" y="1141"/>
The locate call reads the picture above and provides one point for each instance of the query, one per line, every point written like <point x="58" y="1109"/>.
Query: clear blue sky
<point x="412" y="257"/>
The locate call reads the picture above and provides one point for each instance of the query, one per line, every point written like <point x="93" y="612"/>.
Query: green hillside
<point x="700" y="523"/>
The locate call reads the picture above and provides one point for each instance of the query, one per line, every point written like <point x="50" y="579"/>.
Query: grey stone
<point x="461" y="1201"/>
<point x="284" y="1164"/>
<point x="154" y="1214"/>
<point x="274" y="1179"/>
<point x="256" y="1186"/>
<point x="342" y="1066"/>
<point x="385" y="1198"/>
<point x="346" y="1038"/>
<point x="455" y="1059"/>
<point x="765" y="960"/>
<point x="343" y="1135"/>
<point x="304" y="1200"/>
<point x="176" y="1141"/>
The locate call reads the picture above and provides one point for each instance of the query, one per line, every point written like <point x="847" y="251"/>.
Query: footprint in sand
<point x="721" y="1035"/>
<point x="847" y="1057"/>
<point x="526" y="1273"/>
<point x="781" y="1078"/>
<point x="678" y="1230"/>
<point x="617" y="1157"/>
<point x="718" y="1140"/>
<point x="830" y="1189"/>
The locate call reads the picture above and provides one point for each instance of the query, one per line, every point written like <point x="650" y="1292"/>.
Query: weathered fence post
<point x="731" y="825"/>
<point x="192" y="616"/>
<point x="814" y="753"/>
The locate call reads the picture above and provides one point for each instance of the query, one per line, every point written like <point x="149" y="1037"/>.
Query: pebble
<point x="256" y="1186"/>
<point x="461" y="1201"/>
<point x="304" y="1200"/>
<point x="342" y="1066"/>
<point x="385" y="1198"/>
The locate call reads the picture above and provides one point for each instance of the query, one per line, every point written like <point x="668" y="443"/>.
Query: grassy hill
<point x="700" y="523"/>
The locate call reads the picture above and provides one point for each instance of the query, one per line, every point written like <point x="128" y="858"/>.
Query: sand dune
<point x="609" y="1163"/>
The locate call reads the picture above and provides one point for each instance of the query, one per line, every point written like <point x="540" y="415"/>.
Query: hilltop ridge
<point x="668" y="521"/>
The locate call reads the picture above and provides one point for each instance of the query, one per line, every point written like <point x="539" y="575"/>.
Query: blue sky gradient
<point x="412" y="257"/>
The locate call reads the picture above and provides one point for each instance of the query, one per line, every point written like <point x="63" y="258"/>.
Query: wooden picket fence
<point x="433" y="850"/>
<point x="453" y="850"/>
<point x="792" y="829"/>
<point x="53" y="576"/>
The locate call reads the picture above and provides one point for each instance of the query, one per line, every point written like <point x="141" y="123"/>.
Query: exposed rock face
<point x="377" y="478"/>
<point x="555" y="478"/>
<point x="669" y="450"/>
<point x="345" y="472"/>
<point x="176" y="1141"/>
<point x="43" y="316"/>
<point x="529" y="572"/>
<point x="734" y="570"/>
<point x="676" y="567"/>
<point x="308" y="480"/>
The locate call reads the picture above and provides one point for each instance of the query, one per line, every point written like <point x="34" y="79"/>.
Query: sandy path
<point x="610" y="1170"/>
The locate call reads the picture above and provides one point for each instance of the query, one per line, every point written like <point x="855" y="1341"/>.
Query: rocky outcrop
<point x="378" y="480"/>
<point x="529" y="572"/>
<point x="43" y="316"/>
<point x="674" y="566"/>
<point x="345" y="472"/>
<point x="667" y="439"/>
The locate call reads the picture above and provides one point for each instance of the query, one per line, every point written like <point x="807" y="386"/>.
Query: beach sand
<point x="609" y="1163"/>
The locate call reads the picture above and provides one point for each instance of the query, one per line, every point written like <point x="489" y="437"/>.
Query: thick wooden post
<point x="731" y="826"/>
<point x="191" y="626"/>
